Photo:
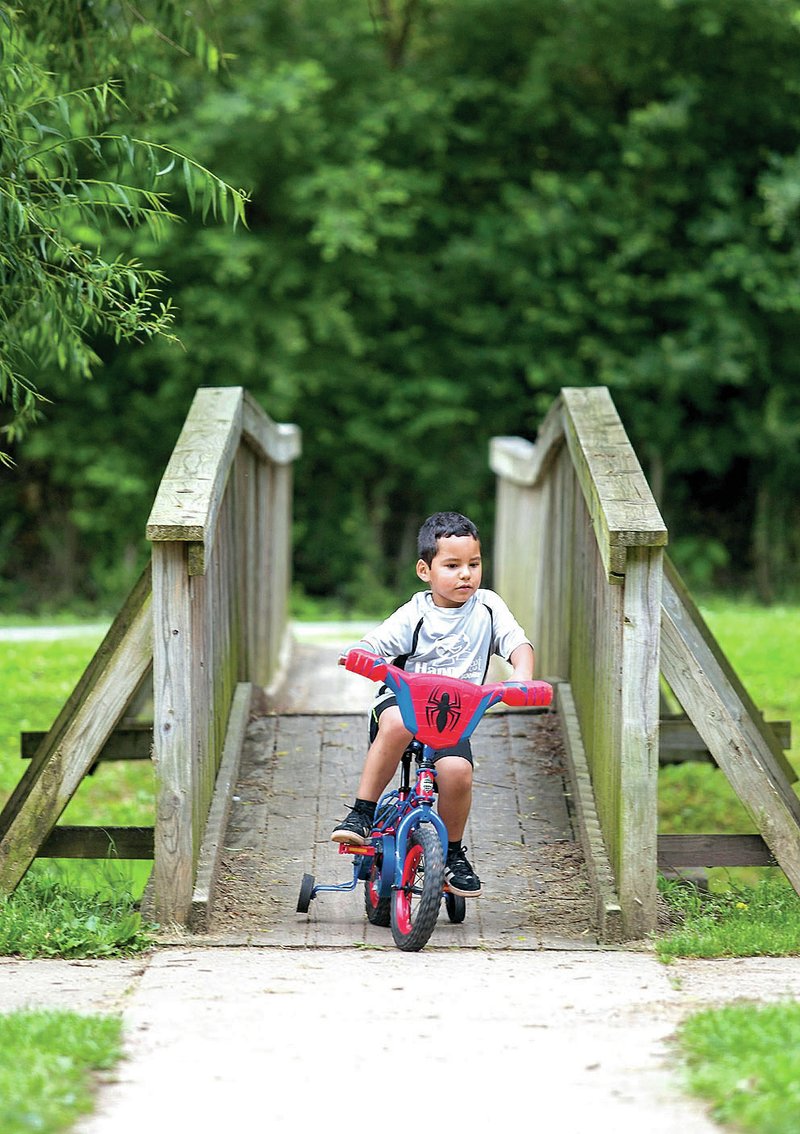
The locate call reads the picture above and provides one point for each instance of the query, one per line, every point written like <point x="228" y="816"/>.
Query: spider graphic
<point x="443" y="710"/>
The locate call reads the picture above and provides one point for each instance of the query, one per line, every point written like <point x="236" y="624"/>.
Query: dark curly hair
<point x="439" y="525"/>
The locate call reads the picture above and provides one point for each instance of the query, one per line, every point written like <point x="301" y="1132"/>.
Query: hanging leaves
<point x="65" y="175"/>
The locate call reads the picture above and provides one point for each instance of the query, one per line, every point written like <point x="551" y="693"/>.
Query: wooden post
<point x="178" y="668"/>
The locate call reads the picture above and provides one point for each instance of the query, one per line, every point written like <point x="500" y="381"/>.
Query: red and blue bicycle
<point x="402" y="865"/>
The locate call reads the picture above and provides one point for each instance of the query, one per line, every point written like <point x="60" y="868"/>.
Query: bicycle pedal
<point x="356" y="848"/>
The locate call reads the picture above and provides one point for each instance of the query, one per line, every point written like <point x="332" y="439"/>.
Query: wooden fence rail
<point x="578" y="555"/>
<point x="207" y="622"/>
<point x="220" y="529"/>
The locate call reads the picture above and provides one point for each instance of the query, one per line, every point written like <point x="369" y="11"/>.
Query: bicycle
<point x="402" y="865"/>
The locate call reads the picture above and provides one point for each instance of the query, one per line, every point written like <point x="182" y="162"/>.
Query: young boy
<point x="453" y="628"/>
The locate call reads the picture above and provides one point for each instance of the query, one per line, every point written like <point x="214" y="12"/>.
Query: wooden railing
<point x="578" y="556"/>
<point x="205" y="626"/>
<point x="220" y="529"/>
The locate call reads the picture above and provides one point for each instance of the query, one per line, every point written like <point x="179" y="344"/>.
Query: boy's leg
<point x="384" y="754"/>
<point x="383" y="757"/>
<point x="454" y="778"/>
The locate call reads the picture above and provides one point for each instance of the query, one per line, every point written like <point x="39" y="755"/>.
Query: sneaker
<point x="461" y="878"/>
<point x="354" y="829"/>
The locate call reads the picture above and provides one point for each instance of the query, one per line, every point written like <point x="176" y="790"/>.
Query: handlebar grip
<point x="519" y="693"/>
<point x="365" y="663"/>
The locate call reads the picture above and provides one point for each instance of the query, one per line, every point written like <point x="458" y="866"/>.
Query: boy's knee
<point x="454" y="772"/>
<point x="391" y="728"/>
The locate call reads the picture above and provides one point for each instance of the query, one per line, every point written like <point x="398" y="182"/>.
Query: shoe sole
<point x="349" y="837"/>
<point x="463" y="893"/>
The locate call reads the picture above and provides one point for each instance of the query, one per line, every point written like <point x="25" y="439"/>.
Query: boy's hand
<point x="364" y="663"/>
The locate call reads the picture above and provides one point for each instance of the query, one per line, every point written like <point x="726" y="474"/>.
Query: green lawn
<point x="48" y="1065"/>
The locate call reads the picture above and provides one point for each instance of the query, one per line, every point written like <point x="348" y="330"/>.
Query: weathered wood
<point x="675" y="851"/>
<point x="680" y="742"/>
<point x="98" y="842"/>
<point x="617" y="495"/>
<point x="179" y="727"/>
<point x="190" y="493"/>
<point x="82" y="728"/>
<point x="608" y="912"/>
<point x="275" y="443"/>
<point x="211" y="849"/>
<point x="221" y="526"/>
<point x="575" y="514"/>
<point x="131" y="742"/>
<point x="523" y="462"/>
<point x="680" y="733"/>
<point x="639" y="708"/>
<point x="735" y="736"/>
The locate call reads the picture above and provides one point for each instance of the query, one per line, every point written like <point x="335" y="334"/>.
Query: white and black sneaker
<point x="460" y="877"/>
<point x="354" y="829"/>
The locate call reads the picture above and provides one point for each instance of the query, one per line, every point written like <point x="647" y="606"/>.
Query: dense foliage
<point x="457" y="209"/>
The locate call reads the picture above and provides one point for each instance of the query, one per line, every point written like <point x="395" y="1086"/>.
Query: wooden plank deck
<point x="299" y="768"/>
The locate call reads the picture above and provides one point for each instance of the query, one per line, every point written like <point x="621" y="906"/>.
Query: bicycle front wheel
<point x="415" y="905"/>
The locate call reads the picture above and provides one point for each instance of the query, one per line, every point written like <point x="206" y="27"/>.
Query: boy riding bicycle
<point x="454" y="628"/>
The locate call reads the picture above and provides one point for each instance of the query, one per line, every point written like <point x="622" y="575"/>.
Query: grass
<point x="54" y="914"/>
<point x="48" y="1066"/>
<point x="761" y="920"/>
<point x="745" y="1061"/>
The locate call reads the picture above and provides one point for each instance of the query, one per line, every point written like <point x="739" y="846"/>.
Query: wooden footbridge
<point x="253" y="769"/>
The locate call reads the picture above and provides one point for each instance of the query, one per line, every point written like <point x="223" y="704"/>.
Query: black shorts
<point x="384" y="700"/>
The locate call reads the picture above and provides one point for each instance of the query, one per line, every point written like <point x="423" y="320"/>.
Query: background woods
<point x="455" y="210"/>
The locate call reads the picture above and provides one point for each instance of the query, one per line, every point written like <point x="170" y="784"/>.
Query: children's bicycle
<point x="402" y="864"/>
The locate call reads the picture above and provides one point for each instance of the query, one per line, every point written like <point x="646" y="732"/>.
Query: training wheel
<point x="456" y="907"/>
<point x="306" y="893"/>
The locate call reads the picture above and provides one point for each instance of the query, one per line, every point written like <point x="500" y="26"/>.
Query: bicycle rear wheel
<point x="379" y="910"/>
<point x="415" y="905"/>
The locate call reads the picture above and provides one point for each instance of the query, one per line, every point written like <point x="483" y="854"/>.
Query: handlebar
<point x="441" y="710"/>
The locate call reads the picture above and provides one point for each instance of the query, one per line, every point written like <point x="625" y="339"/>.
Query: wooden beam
<point x="180" y="732"/>
<point x="98" y="842"/>
<point x="211" y="849"/>
<point x="189" y="495"/>
<point x="524" y="462"/>
<point x="618" y="497"/>
<point x="680" y="733"/>
<point x="680" y="743"/>
<point x="133" y="742"/>
<point x="275" y="442"/>
<point x="608" y="913"/>
<point x="713" y="850"/>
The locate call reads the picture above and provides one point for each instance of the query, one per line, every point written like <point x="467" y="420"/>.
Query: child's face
<point x="455" y="573"/>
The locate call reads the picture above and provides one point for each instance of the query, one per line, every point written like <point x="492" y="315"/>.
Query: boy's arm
<point x="522" y="662"/>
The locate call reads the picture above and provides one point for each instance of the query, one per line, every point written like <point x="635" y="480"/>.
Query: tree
<point x="530" y="194"/>
<point x="70" y="87"/>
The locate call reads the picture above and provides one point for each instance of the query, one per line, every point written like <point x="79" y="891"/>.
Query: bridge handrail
<point x="579" y="556"/>
<point x="220" y="530"/>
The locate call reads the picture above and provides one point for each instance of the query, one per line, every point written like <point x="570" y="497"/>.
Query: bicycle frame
<point x="438" y="712"/>
<point x="397" y="813"/>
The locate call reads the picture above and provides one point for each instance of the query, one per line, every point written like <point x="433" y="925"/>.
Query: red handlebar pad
<point x="440" y="710"/>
